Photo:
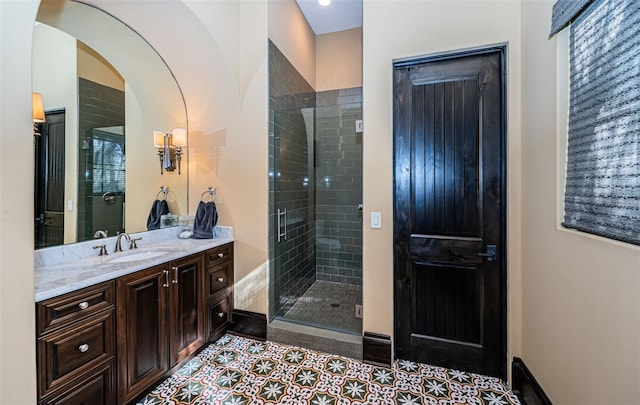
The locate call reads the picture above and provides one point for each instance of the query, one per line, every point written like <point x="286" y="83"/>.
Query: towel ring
<point x="211" y="191"/>
<point x="163" y="190"/>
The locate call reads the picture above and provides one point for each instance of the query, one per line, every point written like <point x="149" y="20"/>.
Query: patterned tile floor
<point x="240" y="371"/>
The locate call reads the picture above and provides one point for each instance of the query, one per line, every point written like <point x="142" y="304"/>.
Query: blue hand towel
<point x="158" y="208"/>
<point x="204" y="221"/>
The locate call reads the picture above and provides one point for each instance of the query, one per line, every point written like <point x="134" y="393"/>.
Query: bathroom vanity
<point x="145" y="314"/>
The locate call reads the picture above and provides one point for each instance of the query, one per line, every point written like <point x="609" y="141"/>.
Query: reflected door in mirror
<point x="49" y="161"/>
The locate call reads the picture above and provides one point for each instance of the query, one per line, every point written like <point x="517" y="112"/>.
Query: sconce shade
<point x="158" y="139"/>
<point x="38" y="108"/>
<point x="179" y="136"/>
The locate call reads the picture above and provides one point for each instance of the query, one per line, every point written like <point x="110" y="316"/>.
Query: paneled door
<point x="142" y="330"/>
<point x="186" y="308"/>
<point x="449" y="211"/>
<point x="49" y="163"/>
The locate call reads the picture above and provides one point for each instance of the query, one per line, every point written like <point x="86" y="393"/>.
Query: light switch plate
<point x="359" y="126"/>
<point x="376" y="220"/>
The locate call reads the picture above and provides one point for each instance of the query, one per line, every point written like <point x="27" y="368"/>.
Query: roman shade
<point x="564" y="11"/>
<point x="602" y="189"/>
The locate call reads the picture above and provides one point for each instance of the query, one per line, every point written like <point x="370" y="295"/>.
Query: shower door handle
<point x="281" y="234"/>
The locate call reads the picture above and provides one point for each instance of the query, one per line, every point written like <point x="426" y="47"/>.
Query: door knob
<point x="491" y="254"/>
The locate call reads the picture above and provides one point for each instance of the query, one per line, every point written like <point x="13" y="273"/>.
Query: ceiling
<point x="340" y="15"/>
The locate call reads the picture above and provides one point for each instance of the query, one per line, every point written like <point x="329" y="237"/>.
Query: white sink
<point x="134" y="257"/>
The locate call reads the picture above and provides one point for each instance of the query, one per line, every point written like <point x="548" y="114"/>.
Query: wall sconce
<point x="38" y="112"/>
<point x="169" y="148"/>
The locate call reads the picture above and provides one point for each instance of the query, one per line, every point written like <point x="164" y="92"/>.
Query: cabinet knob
<point x="83" y="348"/>
<point x="220" y="314"/>
<point x="83" y="305"/>
<point x="220" y="280"/>
<point x="220" y="254"/>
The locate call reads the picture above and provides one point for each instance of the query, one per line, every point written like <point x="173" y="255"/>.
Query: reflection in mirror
<point x="107" y="193"/>
<point x="105" y="91"/>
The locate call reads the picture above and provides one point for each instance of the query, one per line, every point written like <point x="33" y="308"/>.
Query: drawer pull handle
<point x="175" y="275"/>
<point x="220" y="280"/>
<point x="220" y="314"/>
<point x="83" y="348"/>
<point x="165" y="276"/>
<point x="220" y="254"/>
<point x="83" y="305"/>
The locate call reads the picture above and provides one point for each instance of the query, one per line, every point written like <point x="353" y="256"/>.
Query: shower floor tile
<point x="328" y="305"/>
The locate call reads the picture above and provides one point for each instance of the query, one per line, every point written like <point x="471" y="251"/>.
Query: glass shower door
<point x="294" y="237"/>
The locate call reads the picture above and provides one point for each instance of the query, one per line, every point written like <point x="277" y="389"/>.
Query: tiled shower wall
<point x="291" y="103"/>
<point x="99" y="106"/>
<point x="338" y="172"/>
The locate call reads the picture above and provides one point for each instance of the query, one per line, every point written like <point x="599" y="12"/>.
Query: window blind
<point x="108" y="164"/>
<point x="602" y="191"/>
<point x="564" y="11"/>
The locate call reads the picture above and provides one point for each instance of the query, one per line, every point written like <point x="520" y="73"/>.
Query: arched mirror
<point x="105" y="91"/>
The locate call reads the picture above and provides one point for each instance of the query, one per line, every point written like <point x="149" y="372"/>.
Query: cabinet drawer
<point x="96" y="387"/>
<point x="61" y="311"/>
<point x="219" y="278"/>
<point x="216" y="256"/>
<point x="218" y="317"/>
<point x="70" y="352"/>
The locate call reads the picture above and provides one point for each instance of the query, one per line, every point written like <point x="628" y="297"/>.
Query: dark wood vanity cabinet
<point x="75" y="347"/>
<point x="160" y="322"/>
<point x="162" y="315"/>
<point x="219" y="290"/>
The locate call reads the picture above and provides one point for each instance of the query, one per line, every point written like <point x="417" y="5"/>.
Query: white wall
<point x="580" y="301"/>
<point x="400" y="29"/>
<point x="292" y="34"/>
<point x="92" y="66"/>
<point x="17" y="314"/>
<point x="339" y="60"/>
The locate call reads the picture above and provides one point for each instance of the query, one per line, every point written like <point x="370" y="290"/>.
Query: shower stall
<point x="315" y="195"/>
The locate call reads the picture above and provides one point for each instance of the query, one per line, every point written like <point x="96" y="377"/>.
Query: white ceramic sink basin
<point x="135" y="257"/>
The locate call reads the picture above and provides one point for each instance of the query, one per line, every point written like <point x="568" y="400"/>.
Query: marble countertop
<point x="55" y="277"/>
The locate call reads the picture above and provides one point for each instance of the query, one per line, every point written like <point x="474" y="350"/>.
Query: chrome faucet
<point x="100" y="234"/>
<point x="118" y="247"/>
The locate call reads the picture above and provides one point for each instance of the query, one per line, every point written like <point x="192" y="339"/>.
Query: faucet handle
<point x="103" y="249"/>
<point x="133" y="242"/>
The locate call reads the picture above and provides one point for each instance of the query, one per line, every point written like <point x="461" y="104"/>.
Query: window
<point x="602" y="190"/>
<point x="108" y="163"/>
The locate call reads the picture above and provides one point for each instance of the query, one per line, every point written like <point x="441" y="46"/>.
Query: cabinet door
<point x="186" y="313"/>
<point x="142" y="330"/>
<point x="96" y="388"/>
